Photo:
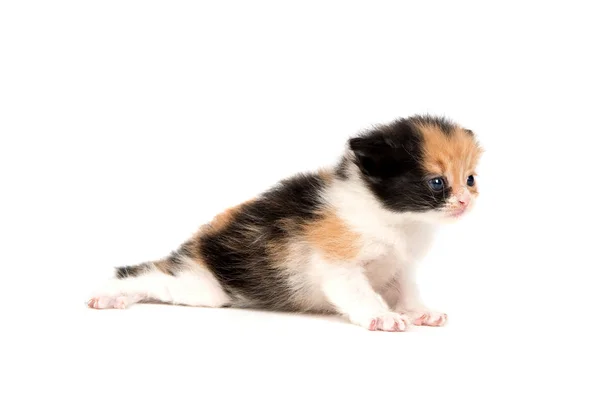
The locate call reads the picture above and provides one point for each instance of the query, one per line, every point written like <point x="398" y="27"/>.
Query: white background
<point x="125" y="125"/>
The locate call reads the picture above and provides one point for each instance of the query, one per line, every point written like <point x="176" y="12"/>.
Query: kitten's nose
<point x="464" y="198"/>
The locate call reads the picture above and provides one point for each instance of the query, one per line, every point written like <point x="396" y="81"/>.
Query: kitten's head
<point x="423" y="165"/>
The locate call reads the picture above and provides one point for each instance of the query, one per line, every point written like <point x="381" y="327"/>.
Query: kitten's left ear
<point x="370" y="152"/>
<point x="379" y="155"/>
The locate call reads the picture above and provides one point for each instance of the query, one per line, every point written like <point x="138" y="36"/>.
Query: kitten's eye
<point x="470" y="180"/>
<point x="436" y="184"/>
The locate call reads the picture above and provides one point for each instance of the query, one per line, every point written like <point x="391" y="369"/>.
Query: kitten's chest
<point x="382" y="270"/>
<point x="401" y="247"/>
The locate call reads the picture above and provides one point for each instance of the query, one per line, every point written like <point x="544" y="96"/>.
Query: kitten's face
<point x="449" y="161"/>
<point x="422" y="165"/>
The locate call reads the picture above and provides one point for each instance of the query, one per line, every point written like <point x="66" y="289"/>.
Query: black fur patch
<point x="390" y="160"/>
<point x="238" y="255"/>
<point x="130" y="271"/>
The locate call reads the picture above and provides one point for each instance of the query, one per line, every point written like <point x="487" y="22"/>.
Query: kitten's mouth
<point x="458" y="213"/>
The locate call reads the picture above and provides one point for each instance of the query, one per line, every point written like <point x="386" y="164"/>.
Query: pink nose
<point x="464" y="199"/>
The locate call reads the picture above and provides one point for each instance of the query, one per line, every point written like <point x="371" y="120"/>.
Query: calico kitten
<point x="344" y="239"/>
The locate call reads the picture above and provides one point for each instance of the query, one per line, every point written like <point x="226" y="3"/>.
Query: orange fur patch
<point x="331" y="235"/>
<point x="163" y="266"/>
<point x="326" y="175"/>
<point x="224" y="218"/>
<point x="454" y="156"/>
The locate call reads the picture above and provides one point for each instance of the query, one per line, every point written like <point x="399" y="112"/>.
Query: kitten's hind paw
<point x="104" y="302"/>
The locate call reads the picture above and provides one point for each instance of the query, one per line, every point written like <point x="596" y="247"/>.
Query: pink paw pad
<point x="390" y="322"/>
<point x="430" y="319"/>
<point x="103" y="302"/>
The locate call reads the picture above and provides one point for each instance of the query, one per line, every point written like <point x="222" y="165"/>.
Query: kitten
<point x="344" y="239"/>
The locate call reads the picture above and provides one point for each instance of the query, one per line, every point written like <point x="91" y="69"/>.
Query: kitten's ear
<point x="372" y="153"/>
<point x="381" y="155"/>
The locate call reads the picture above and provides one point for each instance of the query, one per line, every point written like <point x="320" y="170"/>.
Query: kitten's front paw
<point x="427" y="317"/>
<point x="389" y="322"/>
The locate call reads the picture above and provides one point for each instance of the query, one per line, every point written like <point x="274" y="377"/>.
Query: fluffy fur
<point x="344" y="239"/>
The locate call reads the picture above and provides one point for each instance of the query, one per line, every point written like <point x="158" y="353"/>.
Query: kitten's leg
<point x="405" y="291"/>
<point x="348" y="289"/>
<point x="184" y="283"/>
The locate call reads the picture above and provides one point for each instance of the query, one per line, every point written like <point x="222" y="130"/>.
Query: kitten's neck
<point x="349" y="195"/>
